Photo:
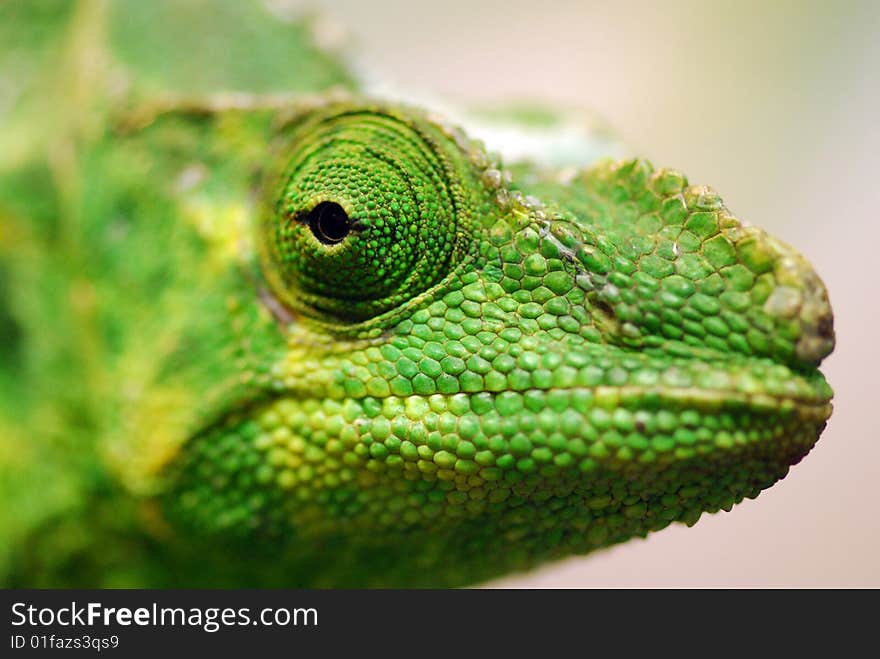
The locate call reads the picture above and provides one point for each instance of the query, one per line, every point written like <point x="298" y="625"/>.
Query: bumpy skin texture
<point x="334" y="342"/>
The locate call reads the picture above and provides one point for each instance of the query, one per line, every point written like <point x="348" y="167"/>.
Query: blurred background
<point x="777" y="105"/>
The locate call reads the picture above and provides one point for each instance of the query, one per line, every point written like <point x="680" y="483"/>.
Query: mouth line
<point x="816" y="409"/>
<point x="763" y="391"/>
<point x="694" y="397"/>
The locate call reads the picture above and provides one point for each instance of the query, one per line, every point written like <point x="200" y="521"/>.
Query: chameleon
<point x="262" y="329"/>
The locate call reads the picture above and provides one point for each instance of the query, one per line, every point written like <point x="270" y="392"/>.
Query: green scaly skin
<point x="262" y="341"/>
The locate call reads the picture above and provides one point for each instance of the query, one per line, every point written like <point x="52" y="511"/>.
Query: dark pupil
<point x="329" y="222"/>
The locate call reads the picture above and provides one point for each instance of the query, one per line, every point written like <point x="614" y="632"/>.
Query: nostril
<point x="817" y="325"/>
<point x="605" y="308"/>
<point x="799" y="308"/>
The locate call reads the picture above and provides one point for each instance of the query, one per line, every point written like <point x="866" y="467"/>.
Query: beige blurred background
<point x="777" y="105"/>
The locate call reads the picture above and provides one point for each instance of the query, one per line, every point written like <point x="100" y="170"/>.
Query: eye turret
<point x="366" y="216"/>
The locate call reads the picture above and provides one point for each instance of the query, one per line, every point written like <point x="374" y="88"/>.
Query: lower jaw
<point x="643" y="455"/>
<point x="546" y="514"/>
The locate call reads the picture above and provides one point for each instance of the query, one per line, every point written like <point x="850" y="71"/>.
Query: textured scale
<point x="323" y="340"/>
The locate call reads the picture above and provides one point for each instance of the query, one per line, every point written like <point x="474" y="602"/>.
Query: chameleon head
<point x="482" y="372"/>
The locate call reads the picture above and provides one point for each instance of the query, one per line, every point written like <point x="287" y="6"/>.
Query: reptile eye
<point x="375" y="201"/>
<point x="329" y="222"/>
